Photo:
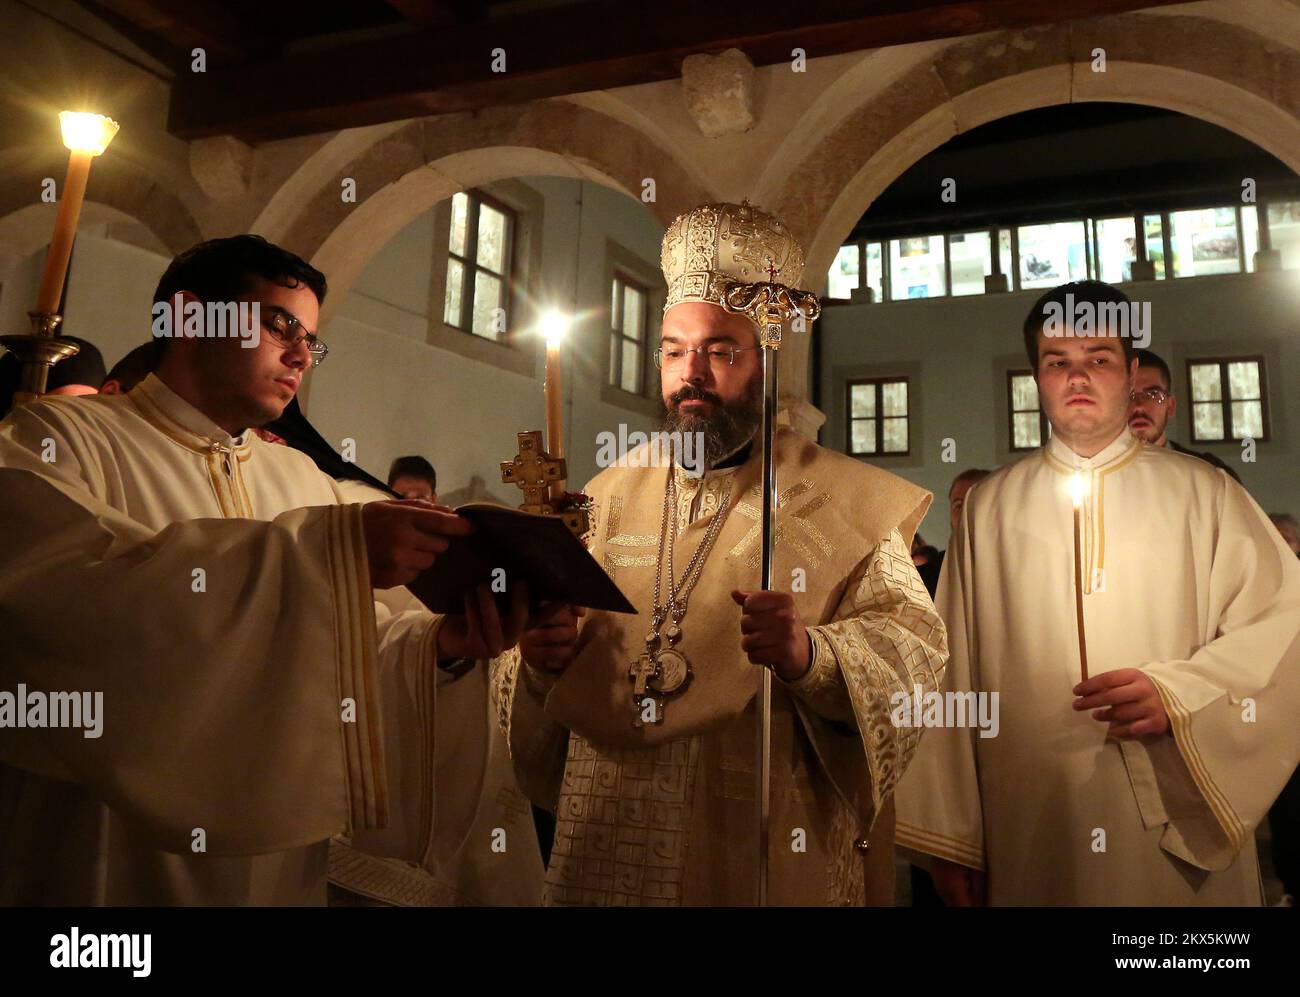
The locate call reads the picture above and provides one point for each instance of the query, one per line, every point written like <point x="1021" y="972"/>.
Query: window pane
<point x="631" y="364"/>
<point x="862" y="400"/>
<point x="1247" y="420"/>
<point x="1004" y="253"/>
<point x="492" y="234"/>
<point x="875" y="271"/>
<point x="451" y="300"/>
<point x="633" y="312"/>
<point x="864" y="435"/>
<point x="1243" y="379"/>
<point x="968" y="252"/>
<point x="843" y="276"/>
<point x="894" y="397"/>
<point x="916" y="267"/>
<point x="1284" y="231"/>
<point x="1025" y="430"/>
<point x="1205" y="382"/>
<point x="616" y="292"/>
<point x="1207" y="421"/>
<point x="895" y="431"/>
<point x="459" y="223"/>
<point x="487" y="298"/>
<point x="1155" y="230"/>
<point x="1116" y="249"/>
<point x="1204" y="241"/>
<point x="614" y="340"/>
<point x="1052" y="254"/>
<point x="1024" y="394"/>
<point x="1250" y="234"/>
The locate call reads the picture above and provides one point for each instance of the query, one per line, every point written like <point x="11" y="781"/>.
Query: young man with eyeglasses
<point x="217" y="592"/>
<point x="1141" y="785"/>
<point x="1152" y="404"/>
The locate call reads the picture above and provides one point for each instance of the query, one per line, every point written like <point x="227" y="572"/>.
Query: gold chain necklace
<point x="661" y="672"/>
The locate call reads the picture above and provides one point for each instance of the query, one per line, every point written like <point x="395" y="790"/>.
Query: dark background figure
<point x="1152" y="404"/>
<point x="413" y="478"/>
<point x="296" y="431"/>
<point x="82" y="374"/>
<point x="132" y="368"/>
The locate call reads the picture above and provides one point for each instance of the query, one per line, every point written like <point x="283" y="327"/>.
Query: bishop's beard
<point x="729" y="428"/>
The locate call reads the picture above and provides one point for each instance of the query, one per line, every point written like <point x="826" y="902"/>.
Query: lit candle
<point x="1078" y="489"/>
<point x="86" y="136"/>
<point x="554" y="326"/>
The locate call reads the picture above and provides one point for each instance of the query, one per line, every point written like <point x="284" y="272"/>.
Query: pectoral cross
<point x="640" y="673"/>
<point x="647" y="705"/>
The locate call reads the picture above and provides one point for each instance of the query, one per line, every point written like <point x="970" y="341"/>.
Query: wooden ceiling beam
<point x="563" y="50"/>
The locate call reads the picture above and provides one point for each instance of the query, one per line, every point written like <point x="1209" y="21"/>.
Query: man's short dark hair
<point x="413" y="467"/>
<point x="1148" y="359"/>
<point x="1093" y="292"/>
<point x="224" y="269"/>
<point x="136" y="365"/>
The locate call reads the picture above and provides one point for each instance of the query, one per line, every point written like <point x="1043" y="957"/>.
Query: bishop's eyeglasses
<point x="1156" y="396"/>
<point x="718" y="356"/>
<point x="286" y="330"/>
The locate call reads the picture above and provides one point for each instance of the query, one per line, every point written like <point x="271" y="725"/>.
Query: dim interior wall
<point x="109" y="293"/>
<point x="392" y="393"/>
<point x="957" y="352"/>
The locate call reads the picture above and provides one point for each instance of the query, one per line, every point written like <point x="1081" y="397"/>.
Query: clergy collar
<point x="725" y="466"/>
<point x="1058" y="453"/>
<point x="178" y="419"/>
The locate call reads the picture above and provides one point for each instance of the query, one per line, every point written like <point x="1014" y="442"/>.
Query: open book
<point x="537" y="549"/>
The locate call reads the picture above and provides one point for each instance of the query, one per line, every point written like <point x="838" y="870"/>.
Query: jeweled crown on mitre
<point x="718" y="246"/>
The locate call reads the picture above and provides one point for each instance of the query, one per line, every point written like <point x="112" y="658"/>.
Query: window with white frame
<point x="479" y="256"/>
<point x="1229" y="400"/>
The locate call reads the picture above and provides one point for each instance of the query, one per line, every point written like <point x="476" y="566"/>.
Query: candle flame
<point x="1078" y="489"/>
<point x="554" y="327"/>
<point x="85" y="132"/>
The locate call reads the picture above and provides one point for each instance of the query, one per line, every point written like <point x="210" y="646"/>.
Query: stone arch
<point x="118" y="192"/>
<point x="1221" y="73"/>
<point x="403" y="171"/>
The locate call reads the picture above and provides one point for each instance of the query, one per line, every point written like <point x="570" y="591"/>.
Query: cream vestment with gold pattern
<point x="665" y="814"/>
<point x="216" y="591"/>
<point x="1185" y="579"/>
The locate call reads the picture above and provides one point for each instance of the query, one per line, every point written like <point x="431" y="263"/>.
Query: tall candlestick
<point x="86" y="136"/>
<point x="1077" y="491"/>
<point x="554" y="326"/>
<point x="554" y="413"/>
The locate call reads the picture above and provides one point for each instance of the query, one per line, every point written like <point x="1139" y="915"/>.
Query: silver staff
<point x="769" y="306"/>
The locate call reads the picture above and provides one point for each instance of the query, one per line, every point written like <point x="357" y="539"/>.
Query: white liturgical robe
<point x="1184" y="578"/>
<point x="215" y="591"/>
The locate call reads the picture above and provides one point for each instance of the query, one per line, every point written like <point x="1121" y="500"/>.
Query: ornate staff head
<point x="720" y="253"/>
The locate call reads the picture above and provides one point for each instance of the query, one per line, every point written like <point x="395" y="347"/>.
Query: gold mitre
<point x="715" y="247"/>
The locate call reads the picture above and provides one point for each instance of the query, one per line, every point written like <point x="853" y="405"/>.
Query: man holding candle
<point x="1143" y="784"/>
<point x="639" y="731"/>
<point x="218" y="592"/>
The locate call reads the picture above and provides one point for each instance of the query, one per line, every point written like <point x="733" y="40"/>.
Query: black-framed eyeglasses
<point x="1156" y="396"/>
<point x="285" y="328"/>
<point x="672" y="357"/>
